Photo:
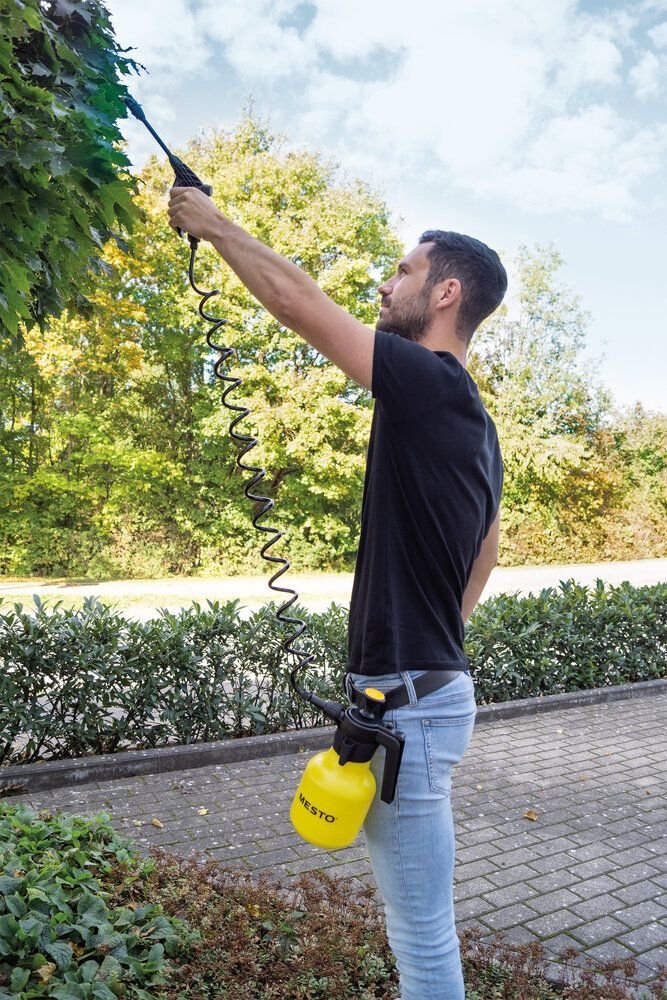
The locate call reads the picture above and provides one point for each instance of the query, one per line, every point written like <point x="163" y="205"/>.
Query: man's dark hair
<point x="479" y="269"/>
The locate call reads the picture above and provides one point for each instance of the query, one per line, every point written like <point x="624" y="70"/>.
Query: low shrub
<point x="92" y="682"/>
<point x="567" y="639"/>
<point x="311" y="938"/>
<point x="62" y="932"/>
<point x="500" y="970"/>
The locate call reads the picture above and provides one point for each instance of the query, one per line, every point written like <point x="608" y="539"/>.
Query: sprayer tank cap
<point x="374" y="693"/>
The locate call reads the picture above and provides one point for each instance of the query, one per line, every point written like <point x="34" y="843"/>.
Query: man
<point x="429" y="540"/>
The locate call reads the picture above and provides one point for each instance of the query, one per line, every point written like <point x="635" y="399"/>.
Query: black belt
<point x="427" y="682"/>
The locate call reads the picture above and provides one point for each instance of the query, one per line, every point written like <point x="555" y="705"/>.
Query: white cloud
<point x="588" y="162"/>
<point x="256" y="43"/>
<point x="165" y="34"/>
<point x="350" y="29"/>
<point x="646" y="77"/>
<point x="658" y="35"/>
<point x="520" y="101"/>
<point x="592" y="57"/>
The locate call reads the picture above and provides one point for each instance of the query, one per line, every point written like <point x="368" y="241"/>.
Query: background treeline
<point x="114" y="454"/>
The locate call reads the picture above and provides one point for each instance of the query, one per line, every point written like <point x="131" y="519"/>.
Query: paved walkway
<point x="561" y="822"/>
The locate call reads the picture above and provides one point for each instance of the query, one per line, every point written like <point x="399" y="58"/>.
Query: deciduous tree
<point x="64" y="189"/>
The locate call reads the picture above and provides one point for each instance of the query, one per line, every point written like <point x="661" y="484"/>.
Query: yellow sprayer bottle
<point x="338" y="786"/>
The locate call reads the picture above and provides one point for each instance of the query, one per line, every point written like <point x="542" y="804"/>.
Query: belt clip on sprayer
<point x="337" y="787"/>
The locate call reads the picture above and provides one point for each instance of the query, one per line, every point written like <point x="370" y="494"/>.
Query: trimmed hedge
<point x="569" y="639"/>
<point x="91" y="682"/>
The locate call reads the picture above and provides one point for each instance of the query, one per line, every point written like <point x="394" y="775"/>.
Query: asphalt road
<point x="140" y="598"/>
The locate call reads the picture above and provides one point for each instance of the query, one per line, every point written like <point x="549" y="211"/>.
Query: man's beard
<point x="410" y="319"/>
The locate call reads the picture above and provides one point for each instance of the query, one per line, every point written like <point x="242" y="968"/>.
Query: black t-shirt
<point x="432" y="490"/>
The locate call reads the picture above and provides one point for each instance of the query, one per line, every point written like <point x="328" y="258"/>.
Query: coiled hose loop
<point x="261" y="504"/>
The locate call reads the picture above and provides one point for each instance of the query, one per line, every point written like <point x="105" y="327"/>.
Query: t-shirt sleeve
<point x="409" y="379"/>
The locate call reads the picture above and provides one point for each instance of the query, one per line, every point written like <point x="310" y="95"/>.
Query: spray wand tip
<point x="135" y="108"/>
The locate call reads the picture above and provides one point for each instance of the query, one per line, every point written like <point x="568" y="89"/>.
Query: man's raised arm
<point x="287" y="292"/>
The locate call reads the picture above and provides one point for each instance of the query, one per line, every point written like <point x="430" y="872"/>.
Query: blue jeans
<point x="411" y="841"/>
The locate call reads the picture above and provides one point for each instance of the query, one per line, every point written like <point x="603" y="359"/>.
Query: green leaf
<point x="18" y="979"/>
<point x="61" y="953"/>
<point x="8" y="926"/>
<point x="16" y="905"/>
<point x="102" y="992"/>
<point x="69" y="991"/>
<point x="88" y="971"/>
<point x="9" y="884"/>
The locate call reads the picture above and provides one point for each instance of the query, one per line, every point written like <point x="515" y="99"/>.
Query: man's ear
<point x="448" y="293"/>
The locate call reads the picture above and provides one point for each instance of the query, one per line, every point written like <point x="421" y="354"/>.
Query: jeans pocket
<point x="445" y="742"/>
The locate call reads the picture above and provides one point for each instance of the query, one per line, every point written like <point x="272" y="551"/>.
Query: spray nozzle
<point x="360" y="730"/>
<point x="135" y="108"/>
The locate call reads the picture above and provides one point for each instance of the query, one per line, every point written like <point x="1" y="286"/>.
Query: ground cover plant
<point x="84" y="917"/>
<point x="92" y="682"/>
<point x="63" y="932"/>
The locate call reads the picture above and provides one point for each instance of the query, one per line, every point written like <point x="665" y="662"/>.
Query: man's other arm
<point x="481" y="570"/>
<point x="287" y="292"/>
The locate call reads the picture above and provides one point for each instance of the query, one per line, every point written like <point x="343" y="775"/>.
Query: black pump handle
<point x="393" y="743"/>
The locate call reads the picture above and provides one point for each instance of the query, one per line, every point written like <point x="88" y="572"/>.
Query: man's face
<point x="405" y="306"/>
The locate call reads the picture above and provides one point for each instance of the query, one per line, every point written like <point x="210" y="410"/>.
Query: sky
<point x="520" y="122"/>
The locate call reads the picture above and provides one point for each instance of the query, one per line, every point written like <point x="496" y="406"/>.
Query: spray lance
<point x="337" y="786"/>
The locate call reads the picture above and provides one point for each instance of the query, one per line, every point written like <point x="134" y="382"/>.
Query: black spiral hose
<point x="245" y="443"/>
<point x="184" y="176"/>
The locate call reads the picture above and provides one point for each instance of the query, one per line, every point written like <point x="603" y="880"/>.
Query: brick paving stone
<point x="641" y="939"/>
<point x="271" y="859"/>
<point x="553" y="923"/>
<point x="559" y="943"/>
<point x="475" y="869"/>
<point x="554" y="864"/>
<point x="650" y="960"/>
<point x="595" y="886"/>
<point x="591" y="852"/>
<point x="591" y="869"/>
<point x="558" y="899"/>
<point x="644" y="913"/>
<point x="547" y="848"/>
<point x="518" y="893"/>
<point x="472" y="909"/>
<point x="511" y="876"/>
<point x="589" y="835"/>
<point x="597" y="906"/>
<point x="636" y="873"/>
<point x="501" y="918"/>
<point x="596" y="932"/>
<point x="474" y="853"/>
<point x="472" y="887"/>
<point x="609" y="951"/>
<point x="636" y="893"/>
<point x="510" y="843"/>
<point x="558" y="879"/>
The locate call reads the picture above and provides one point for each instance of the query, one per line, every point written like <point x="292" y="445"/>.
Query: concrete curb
<point x="130" y="764"/>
